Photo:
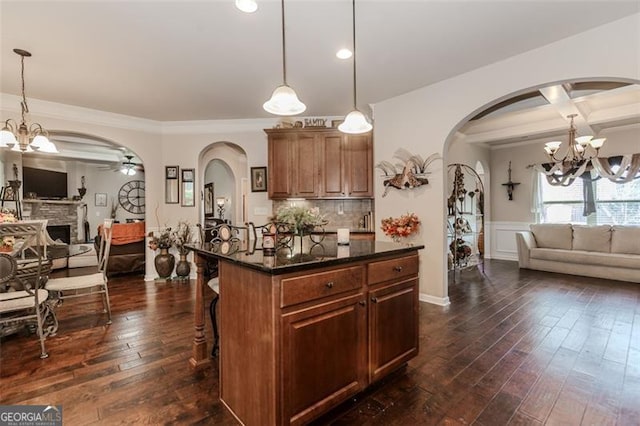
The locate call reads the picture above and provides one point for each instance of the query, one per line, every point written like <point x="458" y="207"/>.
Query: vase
<point x="481" y="241"/>
<point x="183" y="268"/>
<point x="164" y="263"/>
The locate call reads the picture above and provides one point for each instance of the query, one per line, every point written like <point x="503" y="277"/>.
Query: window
<point x="616" y="204"/>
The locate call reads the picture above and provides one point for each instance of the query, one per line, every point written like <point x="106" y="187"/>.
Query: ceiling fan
<point x="127" y="167"/>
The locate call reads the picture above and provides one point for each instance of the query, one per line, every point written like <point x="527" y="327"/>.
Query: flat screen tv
<point x="46" y="184"/>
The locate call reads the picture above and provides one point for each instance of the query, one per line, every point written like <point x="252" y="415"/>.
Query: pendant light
<point x="284" y="100"/>
<point x="355" y="122"/>
<point x="24" y="137"/>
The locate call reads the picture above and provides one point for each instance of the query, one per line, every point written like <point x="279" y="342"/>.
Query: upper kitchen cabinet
<point x="319" y="163"/>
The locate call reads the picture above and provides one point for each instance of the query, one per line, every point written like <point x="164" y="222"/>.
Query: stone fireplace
<point x="57" y="212"/>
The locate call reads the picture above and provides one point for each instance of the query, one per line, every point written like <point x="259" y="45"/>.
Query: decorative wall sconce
<point x="220" y="203"/>
<point x="510" y="185"/>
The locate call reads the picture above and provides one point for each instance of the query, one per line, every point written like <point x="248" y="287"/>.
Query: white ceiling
<point x="202" y="60"/>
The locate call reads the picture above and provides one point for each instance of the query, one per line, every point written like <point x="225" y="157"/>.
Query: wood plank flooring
<point x="515" y="347"/>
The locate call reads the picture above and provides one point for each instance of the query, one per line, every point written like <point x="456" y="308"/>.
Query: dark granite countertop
<point x="312" y="255"/>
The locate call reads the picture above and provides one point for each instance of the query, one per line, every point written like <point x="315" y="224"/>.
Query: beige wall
<point x="425" y="121"/>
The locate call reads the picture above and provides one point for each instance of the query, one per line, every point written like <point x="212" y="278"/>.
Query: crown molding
<point x="11" y="104"/>
<point x="46" y="109"/>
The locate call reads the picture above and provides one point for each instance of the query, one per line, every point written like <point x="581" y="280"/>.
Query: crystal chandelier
<point x="22" y="137"/>
<point x="580" y="149"/>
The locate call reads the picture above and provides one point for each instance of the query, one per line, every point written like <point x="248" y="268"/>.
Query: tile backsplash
<point x="340" y="213"/>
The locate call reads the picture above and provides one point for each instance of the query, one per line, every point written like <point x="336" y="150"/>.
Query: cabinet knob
<point x="329" y="284"/>
<point x="374" y="299"/>
<point x="362" y="303"/>
<point x="397" y="268"/>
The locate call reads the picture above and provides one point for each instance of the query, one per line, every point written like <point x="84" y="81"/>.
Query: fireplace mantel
<point x="64" y="202"/>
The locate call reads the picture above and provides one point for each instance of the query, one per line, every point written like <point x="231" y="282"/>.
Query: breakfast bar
<point x="303" y="329"/>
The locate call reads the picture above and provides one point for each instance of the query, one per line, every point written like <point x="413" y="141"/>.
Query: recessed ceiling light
<point x="344" y="54"/>
<point x="247" y="6"/>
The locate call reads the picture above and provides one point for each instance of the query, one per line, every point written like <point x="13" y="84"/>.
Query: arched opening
<point x="224" y="173"/>
<point x="501" y="138"/>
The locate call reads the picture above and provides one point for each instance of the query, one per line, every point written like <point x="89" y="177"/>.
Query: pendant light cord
<point x="284" y="51"/>
<point x="353" y="6"/>
<point x="25" y="107"/>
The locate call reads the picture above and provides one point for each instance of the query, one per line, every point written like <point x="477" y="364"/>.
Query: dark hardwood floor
<point x="515" y="347"/>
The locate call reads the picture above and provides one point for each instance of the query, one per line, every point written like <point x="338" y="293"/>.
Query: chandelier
<point x="580" y="149"/>
<point x="22" y="137"/>
<point x="128" y="167"/>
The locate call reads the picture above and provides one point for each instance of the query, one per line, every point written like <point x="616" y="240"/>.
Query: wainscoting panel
<point x="502" y="239"/>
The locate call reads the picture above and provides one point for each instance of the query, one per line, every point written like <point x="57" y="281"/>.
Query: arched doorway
<point x="224" y="173"/>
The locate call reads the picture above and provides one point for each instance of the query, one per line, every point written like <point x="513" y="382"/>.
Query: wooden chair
<point x="22" y="299"/>
<point x="86" y="285"/>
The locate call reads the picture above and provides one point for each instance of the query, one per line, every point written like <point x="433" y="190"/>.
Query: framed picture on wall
<point x="258" y="179"/>
<point x="188" y="188"/>
<point x="101" y="199"/>
<point x="172" y="185"/>
<point x="209" y="208"/>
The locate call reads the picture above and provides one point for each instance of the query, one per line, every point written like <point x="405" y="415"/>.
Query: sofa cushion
<point x="625" y="239"/>
<point x="587" y="257"/>
<point x="552" y="235"/>
<point x="592" y="238"/>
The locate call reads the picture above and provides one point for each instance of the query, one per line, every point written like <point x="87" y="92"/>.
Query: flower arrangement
<point x="401" y="227"/>
<point x="161" y="240"/>
<point x="301" y="218"/>
<point x="7" y="216"/>
<point x="182" y="236"/>
<point x="7" y="242"/>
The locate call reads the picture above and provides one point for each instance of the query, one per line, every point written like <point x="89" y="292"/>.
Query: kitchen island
<point x="308" y="327"/>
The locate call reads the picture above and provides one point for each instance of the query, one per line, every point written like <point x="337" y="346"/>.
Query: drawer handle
<point x="362" y="303"/>
<point x="329" y="284"/>
<point x="374" y="299"/>
<point x="397" y="268"/>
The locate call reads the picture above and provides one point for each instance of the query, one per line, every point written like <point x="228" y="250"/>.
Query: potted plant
<point x="181" y="237"/>
<point x="164" y="261"/>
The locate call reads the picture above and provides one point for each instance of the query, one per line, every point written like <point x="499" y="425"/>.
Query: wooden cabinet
<point x="393" y="314"/>
<point x="319" y="163"/>
<point x="296" y="345"/>
<point x="280" y="165"/>
<point x="324" y="356"/>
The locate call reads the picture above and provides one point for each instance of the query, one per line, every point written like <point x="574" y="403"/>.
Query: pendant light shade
<point x="355" y="122"/>
<point x="284" y="100"/>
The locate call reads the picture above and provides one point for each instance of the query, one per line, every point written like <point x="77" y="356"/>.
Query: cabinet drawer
<point x="323" y="284"/>
<point x="386" y="270"/>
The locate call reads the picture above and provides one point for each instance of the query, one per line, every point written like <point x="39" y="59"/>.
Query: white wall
<point x="424" y="120"/>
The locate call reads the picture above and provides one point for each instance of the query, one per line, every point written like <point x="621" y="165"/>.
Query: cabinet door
<point x="360" y="166"/>
<point x="333" y="167"/>
<point x="306" y="159"/>
<point x="280" y="162"/>
<point x="393" y="326"/>
<point x="324" y="357"/>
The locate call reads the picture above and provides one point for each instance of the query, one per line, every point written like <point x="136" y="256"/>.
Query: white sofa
<point x="603" y="251"/>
